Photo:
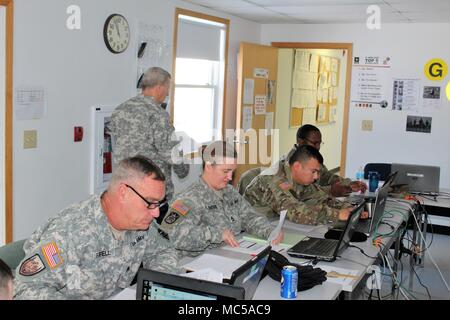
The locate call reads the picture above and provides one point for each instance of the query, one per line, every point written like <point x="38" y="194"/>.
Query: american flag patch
<point x="285" y="185"/>
<point x="180" y="207"/>
<point x="52" y="256"/>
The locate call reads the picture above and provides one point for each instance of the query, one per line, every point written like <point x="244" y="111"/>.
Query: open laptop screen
<point x="249" y="274"/>
<point x="154" y="285"/>
<point x="350" y="227"/>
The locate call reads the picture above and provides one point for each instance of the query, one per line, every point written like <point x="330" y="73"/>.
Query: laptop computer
<point x="420" y="179"/>
<point x="249" y="274"/>
<point x="367" y="226"/>
<point x="155" y="285"/>
<point x="327" y="249"/>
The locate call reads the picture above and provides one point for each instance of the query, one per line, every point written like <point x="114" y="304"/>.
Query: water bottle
<point x="360" y="174"/>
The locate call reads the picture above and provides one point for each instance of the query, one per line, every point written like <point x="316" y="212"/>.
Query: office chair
<point x="383" y="169"/>
<point x="246" y="178"/>
<point x="12" y="253"/>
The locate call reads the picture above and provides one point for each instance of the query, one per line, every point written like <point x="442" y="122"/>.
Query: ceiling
<point x="331" y="11"/>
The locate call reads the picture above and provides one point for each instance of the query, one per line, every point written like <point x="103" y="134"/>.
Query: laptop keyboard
<point x="319" y="246"/>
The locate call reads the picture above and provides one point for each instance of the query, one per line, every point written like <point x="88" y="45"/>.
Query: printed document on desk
<point x="221" y="264"/>
<point x="346" y="282"/>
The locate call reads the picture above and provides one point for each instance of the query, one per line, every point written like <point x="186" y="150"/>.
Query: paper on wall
<point x="249" y="89"/>
<point x="269" y="123"/>
<point x="260" y="104"/>
<point x="247" y="118"/>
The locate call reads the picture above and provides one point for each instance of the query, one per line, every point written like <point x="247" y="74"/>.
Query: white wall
<point x="78" y="72"/>
<point x="410" y="46"/>
<point x="2" y="121"/>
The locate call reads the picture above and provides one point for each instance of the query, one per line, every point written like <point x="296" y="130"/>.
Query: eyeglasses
<point x="315" y="143"/>
<point x="150" y="205"/>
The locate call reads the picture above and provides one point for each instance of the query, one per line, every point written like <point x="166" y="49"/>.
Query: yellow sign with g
<point x="436" y="69"/>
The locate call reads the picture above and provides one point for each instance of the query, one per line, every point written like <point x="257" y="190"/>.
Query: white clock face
<point x="116" y="33"/>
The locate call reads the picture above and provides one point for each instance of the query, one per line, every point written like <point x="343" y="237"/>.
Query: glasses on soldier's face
<point x="150" y="205"/>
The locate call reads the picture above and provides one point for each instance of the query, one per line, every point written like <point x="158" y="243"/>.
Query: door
<point x="256" y="97"/>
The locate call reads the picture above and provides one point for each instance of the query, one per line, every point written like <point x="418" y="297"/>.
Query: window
<point x="198" y="99"/>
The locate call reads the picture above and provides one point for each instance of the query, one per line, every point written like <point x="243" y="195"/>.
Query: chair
<point x="383" y="169"/>
<point x="246" y="178"/>
<point x="12" y="253"/>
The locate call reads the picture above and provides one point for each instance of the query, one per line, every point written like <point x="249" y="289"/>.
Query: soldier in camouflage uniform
<point x="141" y="126"/>
<point x="211" y="211"/>
<point x="93" y="249"/>
<point x="292" y="187"/>
<point x="335" y="184"/>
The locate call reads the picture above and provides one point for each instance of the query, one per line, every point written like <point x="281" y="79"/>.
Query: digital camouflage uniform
<point x="326" y="177"/>
<point x="141" y="126"/>
<point x="273" y="191"/>
<point x="76" y="255"/>
<point x="199" y="216"/>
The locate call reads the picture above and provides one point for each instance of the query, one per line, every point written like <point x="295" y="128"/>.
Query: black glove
<point x="308" y="276"/>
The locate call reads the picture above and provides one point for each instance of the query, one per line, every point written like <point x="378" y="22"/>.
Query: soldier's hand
<point x="279" y="238"/>
<point x="344" y="214"/>
<point x="364" y="215"/>
<point x="228" y="238"/>
<point x="358" y="186"/>
<point x="339" y="190"/>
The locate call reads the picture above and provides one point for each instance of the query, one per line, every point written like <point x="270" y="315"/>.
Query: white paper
<point x="305" y="80"/>
<point x="269" y="123"/>
<point x="370" y="85"/>
<point x="278" y="228"/>
<point x="221" y="264"/>
<point x="247" y="246"/>
<point x="207" y="274"/>
<point x="309" y="115"/>
<point x="302" y="59"/>
<point x="406" y="94"/>
<point x="321" y="112"/>
<point x="247" y="118"/>
<point x="345" y="282"/>
<point x="431" y="97"/>
<point x="333" y="79"/>
<point x="260" y="104"/>
<point x="30" y="103"/>
<point x="334" y="65"/>
<point x="314" y="63"/>
<point x="249" y="89"/>
<point x="304" y="98"/>
<point x="261" y="73"/>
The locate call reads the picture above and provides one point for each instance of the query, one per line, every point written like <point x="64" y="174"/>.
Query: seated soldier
<point x="335" y="184"/>
<point x="211" y="211"/>
<point x="292" y="187"/>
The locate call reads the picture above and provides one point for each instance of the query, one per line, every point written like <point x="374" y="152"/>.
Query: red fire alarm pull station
<point x="77" y="134"/>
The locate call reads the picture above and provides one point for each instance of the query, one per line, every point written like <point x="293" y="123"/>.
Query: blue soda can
<point x="289" y="279"/>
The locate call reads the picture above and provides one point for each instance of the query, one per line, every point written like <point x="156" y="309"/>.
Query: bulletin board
<point x="315" y="85"/>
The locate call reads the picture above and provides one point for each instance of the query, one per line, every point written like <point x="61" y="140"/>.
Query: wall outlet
<point x="367" y="125"/>
<point x="29" y="139"/>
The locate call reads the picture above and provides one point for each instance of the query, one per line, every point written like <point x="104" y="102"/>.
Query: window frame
<point x="226" y="23"/>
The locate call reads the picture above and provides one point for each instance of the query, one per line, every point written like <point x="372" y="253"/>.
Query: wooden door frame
<point x="348" y="78"/>
<point x="226" y="22"/>
<point x="8" y="141"/>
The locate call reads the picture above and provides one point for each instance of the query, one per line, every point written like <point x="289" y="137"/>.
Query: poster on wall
<point x="247" y="118"/>
<point x="30" y="102"/>
<point x="406" y="94"/>
<point x="249" y="89"/>
<point x="418" y="124"/>
<point x="371" y="78"/>
<point x="260" y="104"/>
<point x="431" y="97"/>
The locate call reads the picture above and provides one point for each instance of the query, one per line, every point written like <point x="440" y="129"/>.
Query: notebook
<point x="420" y="179"/>
<point x="155" y="285"/>
<point x="248" y="275"/>
<point x="367" y="226"/>
<point x="327" y="249"/>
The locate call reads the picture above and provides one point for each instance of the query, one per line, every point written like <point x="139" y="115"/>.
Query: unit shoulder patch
<point x="171" y="218"/>
<point x="181" y="207"/>
<point x="31" y="266"/>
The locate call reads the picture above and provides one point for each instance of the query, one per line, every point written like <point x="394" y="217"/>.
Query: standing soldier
<point x="93" y="249"/>
<point x="141" y="126"/>
<point x="211" y="211"/>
